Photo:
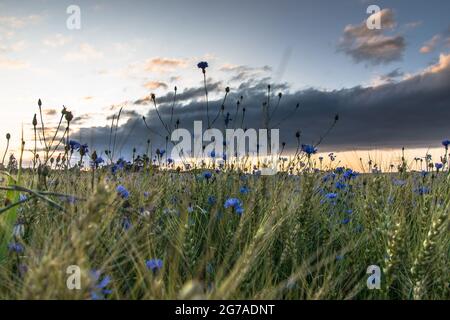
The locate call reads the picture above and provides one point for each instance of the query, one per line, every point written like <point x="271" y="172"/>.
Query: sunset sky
<point x="391" y="87"/>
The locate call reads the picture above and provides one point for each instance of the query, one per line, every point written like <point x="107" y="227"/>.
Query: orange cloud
<point x="430" y="45"/>
<point x="443" y="64"/>
<point x="153" y="85"/>
<point x="164" y="64"/>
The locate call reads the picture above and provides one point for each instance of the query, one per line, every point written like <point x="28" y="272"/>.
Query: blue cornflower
<point x="74" y="145"/>
<point x="114" y="169"/>
<point x="340" y="185"/>
<point x="170" y="160"/>
<point x="331" y="195"/>
<point x="422" y="190"/>
<point x="339" y="257"/>
<point x="207" y="175"/>
<point x="244" y="190"/>
<point x="126" y="223"/>
<point x="121" y="163"/>
<point x="235" y="204"/>
<point x="202" y="65"/>
<point x="345" y="221"/>
<point x="231" y="202"/>
<point x="438" y="165"/>
<point x="211" y="200"/>
<point x="100" y="291"/>
<point x="15" y="247"/>
<point x="123" y="192"/>
<point x="308" y="149"/>
<point x="212" y="154"/>
<point x="350" y="174"/>
<point x="339" y="170"/>
<point x="22" y="197"/>
<point x="239" y="210"/>
<point x="154" y="264"/>
<point x="446" y="143"/>
<point x="146" y="194"/>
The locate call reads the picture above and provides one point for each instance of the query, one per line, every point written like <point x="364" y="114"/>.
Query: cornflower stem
<point x="206" y="96"/>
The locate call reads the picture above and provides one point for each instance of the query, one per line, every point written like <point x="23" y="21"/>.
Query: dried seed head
<point x="69" y="116"/>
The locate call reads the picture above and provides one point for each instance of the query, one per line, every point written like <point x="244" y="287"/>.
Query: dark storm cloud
<point x="242" y="73"/>
<point x="373" y="46"/>
<point x="125" y="114"/>
<point x="79" y="120"/>
<point x="391" y="76"/>
<point x="414" y="112"/>
<point x="187" y="94"/>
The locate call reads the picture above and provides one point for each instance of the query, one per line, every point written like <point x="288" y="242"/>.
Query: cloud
<point x="373" y="46"/>
<point x="6" y="63"/>
<point x="50" y="112"/>
<point x="153" y="85"/>
<point x="412" y="112"/>
<point x="186" y="95"/>
<point x="12" y="22"/>
<point x="125" y="114"/>
<point x="85" y="53"/>
<point x="441" y="66"/>
<point x="57" y="40"/>
<point x="431" y="44"/>
<point x="241" y="72"/>
<point x="164" y="64"/>
<point x="79" y="120"/>
<point x="438" y="40"/>
<point x="389" y="77"/>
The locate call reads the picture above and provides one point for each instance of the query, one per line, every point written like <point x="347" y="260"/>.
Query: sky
<point x="390" y="87"/>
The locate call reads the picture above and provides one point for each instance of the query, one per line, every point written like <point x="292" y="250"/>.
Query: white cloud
<point x="11" y="22"/>
<point x="57" y="40"/>
<point x="84" y="53"/>
<point x="6" y="63"/>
